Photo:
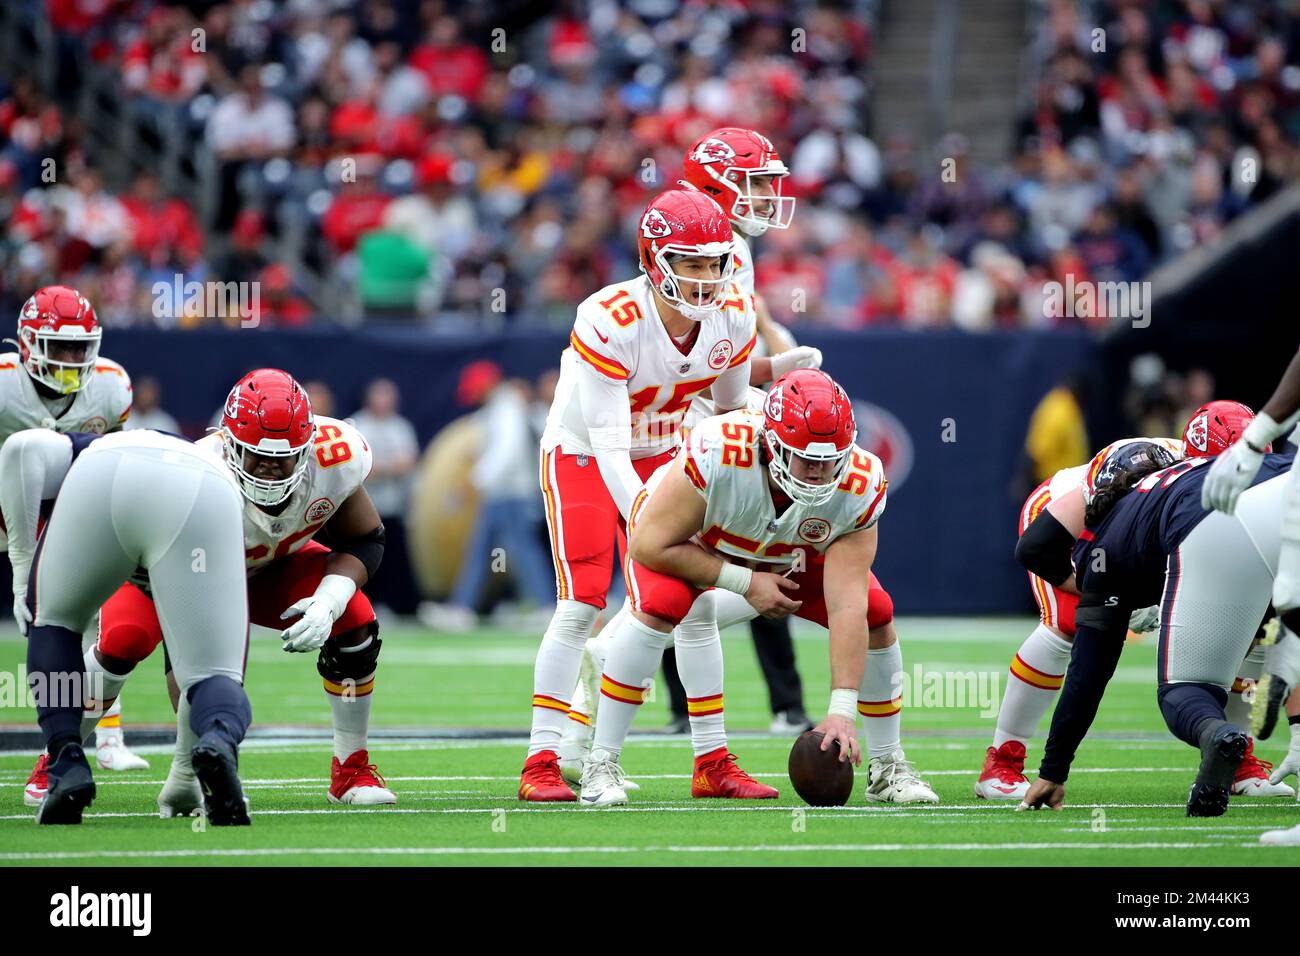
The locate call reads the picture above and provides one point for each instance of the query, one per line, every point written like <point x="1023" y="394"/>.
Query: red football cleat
<point x="541" y="781"/>
<point x="1003" y="777"/>
<point x="358" y="781"/>
<point x="716" y="775"/>
<point x="1252" y="778"/>
<point x="38" y="784"/>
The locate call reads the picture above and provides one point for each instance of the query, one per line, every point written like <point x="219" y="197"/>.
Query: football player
<point x="639" y="352"/>
<point x="750" y="496"/>
<point x="1148" y="541"/>
<point x="743" y="172"/>
<point x="300" y="476"/>
<point x="1038" y="668"/>
<point x="58" y="380"/>
<point x="137" y="504"/>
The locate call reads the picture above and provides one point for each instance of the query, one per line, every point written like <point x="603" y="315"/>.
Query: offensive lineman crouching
<point x="788" y="490"/>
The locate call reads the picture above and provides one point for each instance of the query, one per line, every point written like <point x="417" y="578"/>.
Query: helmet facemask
<point x="265" y="491"/>
<point x="64" y="377"/>
<point x="780" y="459"/>
<point x="743" y="210"/>
<point x="671" y="286"/>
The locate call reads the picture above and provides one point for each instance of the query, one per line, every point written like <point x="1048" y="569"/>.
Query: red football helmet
<point x="681" y="223"/>
<point x="809" y="415"/>
<point x="730" y="165"/>
<point x="61" y="315"/>
<point x="1214" y="426"/>
<point x="267" y="413"/>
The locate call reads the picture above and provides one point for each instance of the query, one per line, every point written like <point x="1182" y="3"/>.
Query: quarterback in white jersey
<point x="1038" y="668"/>
<point x="300" y="476"/>
<point x="57" y="380"/>
<point x="639" y="352"/>
<point x="753" y="495"/>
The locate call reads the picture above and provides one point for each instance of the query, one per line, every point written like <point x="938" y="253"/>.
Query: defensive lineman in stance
<point x="788" y="490"/>
<point x="1148" y="540"/>
<point x="1228" y="479"/>
<point x="1051" y="520"/>
<point x="137" y="504"/>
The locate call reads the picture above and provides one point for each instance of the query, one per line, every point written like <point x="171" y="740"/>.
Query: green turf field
<point x="456" y="797"/>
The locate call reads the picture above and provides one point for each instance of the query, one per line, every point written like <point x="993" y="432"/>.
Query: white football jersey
<point x="723" y="462"/>
<point x="1083" y="476"/>
<point x="338" y="465"/>
<point x="102" y="406"/>
<point x="619" y="334"/>
<point x="744" y="274"/>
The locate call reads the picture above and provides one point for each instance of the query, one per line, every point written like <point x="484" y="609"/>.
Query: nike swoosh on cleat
<point x="1004" y="789"/>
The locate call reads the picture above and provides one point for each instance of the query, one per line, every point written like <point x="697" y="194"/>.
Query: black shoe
<point x="1221" y="755"/>
<point x="678" y="725"/>
<point x="217" y="767"/>
<point x="72" y="788"/>
<point x="1277" y="693"/>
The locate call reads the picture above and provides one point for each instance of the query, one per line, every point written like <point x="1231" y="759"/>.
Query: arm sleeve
<point x="1044" y="549"/>
<point x="731" y="389"/>
<point x="1098" y="644"/>
<point x="32" y="467"/>
<point x="608" y="414"/>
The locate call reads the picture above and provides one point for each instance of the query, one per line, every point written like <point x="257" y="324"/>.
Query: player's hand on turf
<point x="311" y="630"/>
<point x="803" y="356"/>
<point x="1230" y="475"/>
<point x="1290" y="765"/>
<point x="835" y="727"/>
<point x="21" y="614"/>
<point x="767" y="596"/>
<point x="1043" y="793"/>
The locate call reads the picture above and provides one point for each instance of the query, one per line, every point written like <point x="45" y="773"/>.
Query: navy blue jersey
<point x="1125" y="554"/>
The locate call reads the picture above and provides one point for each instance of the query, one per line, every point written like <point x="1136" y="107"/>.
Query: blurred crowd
<point x="489" y="161"/>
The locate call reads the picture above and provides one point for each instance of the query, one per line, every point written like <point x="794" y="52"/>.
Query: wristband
<point x="734" y="578"/>
<point x="1261" y="432"/>
<point x="338" y="590"/>
<point x="844" y="703"/>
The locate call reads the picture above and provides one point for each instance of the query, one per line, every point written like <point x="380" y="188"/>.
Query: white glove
<point x="801" y="356"/>
<point x="1234" y="470"/>
<point x="1144" y="619"/>
<point x="1282" y="659"/>
<point x="1291" y="765"/>
<point x="319" y="612"/>
<point x="21" y="614"/>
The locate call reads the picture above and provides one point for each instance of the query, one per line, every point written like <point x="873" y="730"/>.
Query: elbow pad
<point x="368" y="549"/>
<point x="1044" y="549"/>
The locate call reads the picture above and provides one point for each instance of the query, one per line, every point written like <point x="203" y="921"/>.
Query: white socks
<point x="879" y="700"/>
<point x="699" y="664"/>
<point x="1037" y="673"/>
<point x="635" y="651"/>
<point x="556" y="671"/>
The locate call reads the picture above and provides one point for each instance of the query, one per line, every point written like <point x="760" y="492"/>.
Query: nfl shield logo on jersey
<point x="582" y="461"/>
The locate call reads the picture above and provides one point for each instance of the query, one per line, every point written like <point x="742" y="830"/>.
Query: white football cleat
<point x="574" y="754"/>
<point x="112" y="753"/>
<point x="1289" y="837"/>
<point x="1252" y="778"/>
<point x="602" y="781"/>
<point x="38" y="784"/>
<point x="891" y="779"/>
<point x="181" y="795"/>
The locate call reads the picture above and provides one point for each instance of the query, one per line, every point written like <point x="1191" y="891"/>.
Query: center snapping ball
<point x="819" y="777"/>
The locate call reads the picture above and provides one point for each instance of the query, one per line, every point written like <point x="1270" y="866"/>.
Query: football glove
<point x="1291" y="765"/>
<point x="319" y="612"/>
<point x="1144" y="619"/>
<point x="802" y="356"/>
<point x="1234" y="470"/>
<point x="21" y="614"/>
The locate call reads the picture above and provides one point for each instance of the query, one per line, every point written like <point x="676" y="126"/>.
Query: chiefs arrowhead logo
<point x="318" y="510"/>
<point x="720" y="354"/>
<point x="654" y="225"/>
<point x="773" y="408"/>
<point x="814" y="529"/>
<point x="232" y="403"/>
<point x="712" y="151"/>
<point x="1198" y="432"/>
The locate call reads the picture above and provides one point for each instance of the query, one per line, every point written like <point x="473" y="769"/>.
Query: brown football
<point x="819" y="777"/>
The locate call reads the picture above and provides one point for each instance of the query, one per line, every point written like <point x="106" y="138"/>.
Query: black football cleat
<point x="217" y="767"/>
<point x="1221" y="755"/>
<point x="71" y="790"/>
